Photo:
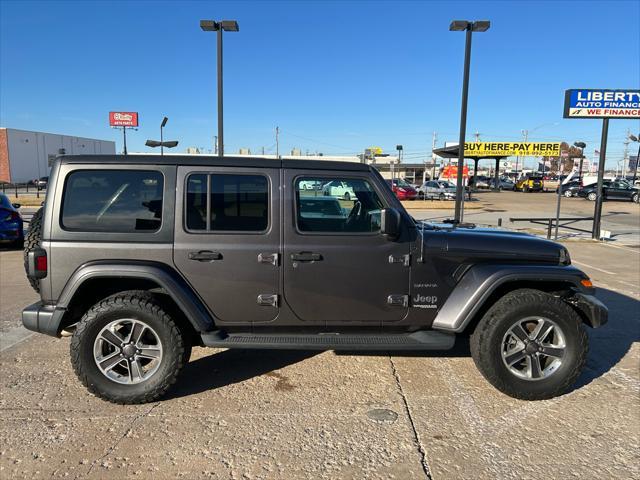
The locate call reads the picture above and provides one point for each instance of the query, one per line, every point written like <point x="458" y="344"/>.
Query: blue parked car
<point x="11" y="232"/>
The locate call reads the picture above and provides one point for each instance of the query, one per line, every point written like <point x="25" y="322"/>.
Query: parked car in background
<point x="530" y="183"/>
<point x="437" y="189"/>
<point x="310" y="185"/>
<point x="41" y="183"/>
<point x="570" y="189"/>
<point x="611" y="191"/>
<point x="481" y="181"/>
<point x="339" y="189"/>
<point x="504" y="183"/>
<point x="11" y="224"/>
<point x="321" y="207"/>
<point x="402" y="189"/>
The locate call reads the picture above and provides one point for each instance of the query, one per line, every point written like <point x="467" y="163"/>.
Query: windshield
<point x="401" y="183"/>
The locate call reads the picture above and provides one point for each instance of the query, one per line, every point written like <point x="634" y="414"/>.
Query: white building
<point x="26" y="155"/>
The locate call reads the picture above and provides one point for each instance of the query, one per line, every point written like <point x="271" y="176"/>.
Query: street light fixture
<point x="469" y="27"/>
<point x="164" y="122"/>
<point x="213" y="26"/>
<point x="155" y="143"/>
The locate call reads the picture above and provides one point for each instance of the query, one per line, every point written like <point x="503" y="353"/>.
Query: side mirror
<point x="16" y="205"/>
<point x="390" y="223"/>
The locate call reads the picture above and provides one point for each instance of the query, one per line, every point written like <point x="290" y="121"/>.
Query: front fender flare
<point x="480" y="281"/>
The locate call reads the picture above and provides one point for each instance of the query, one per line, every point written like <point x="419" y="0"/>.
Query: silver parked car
<point x="505" y="183"/>
<point x="440" y="189"/>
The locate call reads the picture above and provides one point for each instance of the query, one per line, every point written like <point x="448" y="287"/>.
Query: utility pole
<point x="525" y="135"/>
<point x="262" y="150"/>
<point x="215" y="144"/>
<point x="277" y="142"/>
<point x="434" y="141"/>
<point x="477" y="135"/>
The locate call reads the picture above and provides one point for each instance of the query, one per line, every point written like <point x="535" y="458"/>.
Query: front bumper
<point x="42" y="318"/>
<point x="593" y="310"/>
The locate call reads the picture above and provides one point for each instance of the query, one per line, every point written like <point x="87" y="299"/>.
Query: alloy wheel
<point x="533" y="348"/>
<point x="127" y="351"/>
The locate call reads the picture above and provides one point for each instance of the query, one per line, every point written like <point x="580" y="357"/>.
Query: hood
<point x="475" y="244"/>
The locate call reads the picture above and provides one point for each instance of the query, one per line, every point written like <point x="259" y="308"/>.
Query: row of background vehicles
<point x="611" y="190"/>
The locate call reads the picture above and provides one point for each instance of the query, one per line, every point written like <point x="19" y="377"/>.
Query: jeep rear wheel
<point x="127" y="349"/>
<point x="530" y="345"/>
<point x="32" y="241"/>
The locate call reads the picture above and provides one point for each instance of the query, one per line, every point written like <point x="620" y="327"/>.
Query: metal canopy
<point x="452" y="152"/>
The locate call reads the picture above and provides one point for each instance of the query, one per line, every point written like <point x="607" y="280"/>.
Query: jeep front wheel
<point x="530" y="345"/>
<point x="127" y="349"/>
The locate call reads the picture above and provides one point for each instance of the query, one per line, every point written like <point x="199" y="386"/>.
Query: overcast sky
<point x="336" y="77"/>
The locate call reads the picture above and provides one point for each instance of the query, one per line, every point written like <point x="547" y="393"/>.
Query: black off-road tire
<point x="31" y="241"/>
<point x="486" y="344"/>
<point x="139" y="305"/>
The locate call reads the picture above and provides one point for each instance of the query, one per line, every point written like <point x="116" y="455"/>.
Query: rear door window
<point x="227" y="203"/>
<point x="117" y="201"/>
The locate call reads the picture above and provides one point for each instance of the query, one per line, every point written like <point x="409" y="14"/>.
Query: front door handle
<point x="306" y="257"/>
<point x="205" y="256"/>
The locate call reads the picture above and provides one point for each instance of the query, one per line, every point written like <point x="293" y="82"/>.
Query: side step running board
<point x="422" y="340"/>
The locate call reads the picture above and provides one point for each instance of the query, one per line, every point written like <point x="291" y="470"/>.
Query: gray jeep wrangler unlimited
<point x="142" y="257"/>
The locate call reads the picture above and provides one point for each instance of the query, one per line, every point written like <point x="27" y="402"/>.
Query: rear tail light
<point x="37" y="263"/>
<point x="9" y="215"/>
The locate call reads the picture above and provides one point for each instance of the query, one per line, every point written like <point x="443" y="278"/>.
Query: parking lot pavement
<point x="274" y="414"/>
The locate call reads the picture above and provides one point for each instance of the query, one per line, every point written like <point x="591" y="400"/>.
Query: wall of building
<point x="24" y="155"/>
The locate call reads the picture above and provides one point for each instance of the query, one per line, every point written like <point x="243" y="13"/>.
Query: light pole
<point x="469" y="27"/>
<point x="581" y="146"/>
<point x="164" y="122"/>
<point x="525" y="135"/>
<point x="213" y="26"/>
<point x="399" y="149"/>
<point x="633" y="138"/>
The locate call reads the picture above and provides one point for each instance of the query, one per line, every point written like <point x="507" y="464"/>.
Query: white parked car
<point x="310" y="185"/>
<point x="339" y="189"/>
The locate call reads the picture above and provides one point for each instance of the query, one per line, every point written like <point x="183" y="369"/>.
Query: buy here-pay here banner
<point x="512" y="149"/>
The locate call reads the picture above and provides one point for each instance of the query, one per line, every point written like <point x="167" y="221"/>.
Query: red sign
<point x="451" y="172"/>
<point x="123" y="119"/>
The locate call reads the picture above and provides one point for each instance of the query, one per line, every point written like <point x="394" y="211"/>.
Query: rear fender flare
<point x="164" y="276"/>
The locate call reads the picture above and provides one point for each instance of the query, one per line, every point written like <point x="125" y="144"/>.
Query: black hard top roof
<point x="213" y="161"/>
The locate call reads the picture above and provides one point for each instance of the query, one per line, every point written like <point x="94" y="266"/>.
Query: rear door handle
<point x="306" y="257"/>
<point x="205" y="256"/>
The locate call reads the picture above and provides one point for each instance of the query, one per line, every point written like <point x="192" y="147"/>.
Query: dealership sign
<point x="123" y="119"/>
<point x="511" y="149"/>
<point x="601" y="103"/>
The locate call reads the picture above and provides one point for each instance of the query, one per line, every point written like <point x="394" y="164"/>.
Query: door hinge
<point x="268" y="300"/>
<point x="271" y="258"/>
<point x="398" y="300"/>
<point x="405" y="260"/>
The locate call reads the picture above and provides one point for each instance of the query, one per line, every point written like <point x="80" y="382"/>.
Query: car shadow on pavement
<point x="232" y="366"/>
<point x="611" y="342"/>
<point x="607" y="346"/>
